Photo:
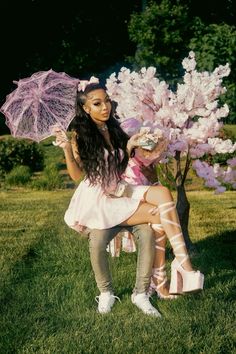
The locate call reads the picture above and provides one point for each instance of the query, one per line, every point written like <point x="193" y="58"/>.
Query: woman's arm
<point x="73" y="168"/>
<point x="71" y="155"/>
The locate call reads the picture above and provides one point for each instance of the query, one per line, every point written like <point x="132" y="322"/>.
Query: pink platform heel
<point x="183" y="281"/>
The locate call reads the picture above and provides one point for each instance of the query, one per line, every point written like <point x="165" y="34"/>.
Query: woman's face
<point x="98" y="106"/>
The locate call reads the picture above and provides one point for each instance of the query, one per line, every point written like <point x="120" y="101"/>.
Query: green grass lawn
<point x="47" y="288"/>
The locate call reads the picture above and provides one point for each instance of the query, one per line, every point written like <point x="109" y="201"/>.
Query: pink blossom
<point x="232" y="162"/>
<point x="221" y="146"/>
<point x="190" y="117"/>
<point x="131" y="126"/>
<point x="189" y="63"/>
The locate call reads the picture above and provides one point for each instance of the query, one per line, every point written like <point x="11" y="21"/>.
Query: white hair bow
<point x="83" y="83"/>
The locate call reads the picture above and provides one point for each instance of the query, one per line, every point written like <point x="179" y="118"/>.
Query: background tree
<point x="214" y="45"/>
<point x="166" y="31"/>
<point x="190" y="120"/>
<point x="161" y="33"/>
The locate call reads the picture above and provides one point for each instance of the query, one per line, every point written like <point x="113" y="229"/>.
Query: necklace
<point x="102" y="128"/>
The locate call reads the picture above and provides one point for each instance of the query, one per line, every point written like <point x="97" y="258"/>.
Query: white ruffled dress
<point x="91" y="207"/>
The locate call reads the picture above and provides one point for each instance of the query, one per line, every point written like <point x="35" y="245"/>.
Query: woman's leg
<point x="163" y="199"/>
<point x="158" y="196"/>
<point x="159" y="282"/>
<point x="98" y="241"/>
<point x="160" y="199"/>
<point x="146" y="248"/>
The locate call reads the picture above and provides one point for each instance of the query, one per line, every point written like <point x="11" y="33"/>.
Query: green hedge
<point x="18" y="176"/>
<point x="15" y="152"/>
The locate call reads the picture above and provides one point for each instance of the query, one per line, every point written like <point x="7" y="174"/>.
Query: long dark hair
<point x="92" y="145"/>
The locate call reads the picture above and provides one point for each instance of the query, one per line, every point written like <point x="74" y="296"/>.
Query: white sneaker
<point x="142" y="301"/>
<point x="105" y="301"/>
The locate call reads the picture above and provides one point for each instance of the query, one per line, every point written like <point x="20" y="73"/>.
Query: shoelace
<point x="111" y="296"/>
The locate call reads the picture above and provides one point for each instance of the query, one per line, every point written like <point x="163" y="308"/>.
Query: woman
<point x="103" y="152"/>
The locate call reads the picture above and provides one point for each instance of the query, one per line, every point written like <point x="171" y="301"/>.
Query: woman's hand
<point x="133" y="141"/>
<point x="158" y="151"/>
<point x="61" y="138"/>
<point x="62" y="141"/>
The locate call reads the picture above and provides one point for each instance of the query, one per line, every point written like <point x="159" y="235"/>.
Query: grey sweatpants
<point x="98" y="241"/>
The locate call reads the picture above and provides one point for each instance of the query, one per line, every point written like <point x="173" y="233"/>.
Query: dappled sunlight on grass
<point x="211" y="214"/>
<point x="47" y="286"/>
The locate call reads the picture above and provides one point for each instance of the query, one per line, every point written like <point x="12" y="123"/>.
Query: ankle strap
<point x="159" y="269"/>
<point x="184" y="259"/>
<point x="159" y="239"/>
<point x="165" y="204"/>
<point x="157" y="227"/>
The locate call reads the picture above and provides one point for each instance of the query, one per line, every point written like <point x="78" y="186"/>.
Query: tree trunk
<point x="183" y="208"/>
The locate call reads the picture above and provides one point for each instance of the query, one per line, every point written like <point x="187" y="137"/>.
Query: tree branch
<point x="178" y="173"/>
<point x="186" y="168"/>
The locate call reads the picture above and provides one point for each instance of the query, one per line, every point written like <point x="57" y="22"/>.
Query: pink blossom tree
<point x="190" y="118"/>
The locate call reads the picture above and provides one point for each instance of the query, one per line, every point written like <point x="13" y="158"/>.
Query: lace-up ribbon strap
<point x="160" y="275"/>
<point x="163" y="212"/>
<point x="158" y="228"/>
<point x="159" y="239"/>
<point x="175" y="243"/>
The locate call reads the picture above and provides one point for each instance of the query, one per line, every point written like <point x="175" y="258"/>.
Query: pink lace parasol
<point x="41" y="101"/>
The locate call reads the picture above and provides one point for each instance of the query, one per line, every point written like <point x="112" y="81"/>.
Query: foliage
<point x="165" y="32"/>
<point x="161" y="33"/>
<point x="213" y="45"/>
<point x="52" y="155"/>
<point x="18" y="176"/>
<point x="230" y="98"/>
<point x="14" y="152"/>
<point x="49" y="180"/>
<point x="52" y="175"/>
<point x="217" y="45"/>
